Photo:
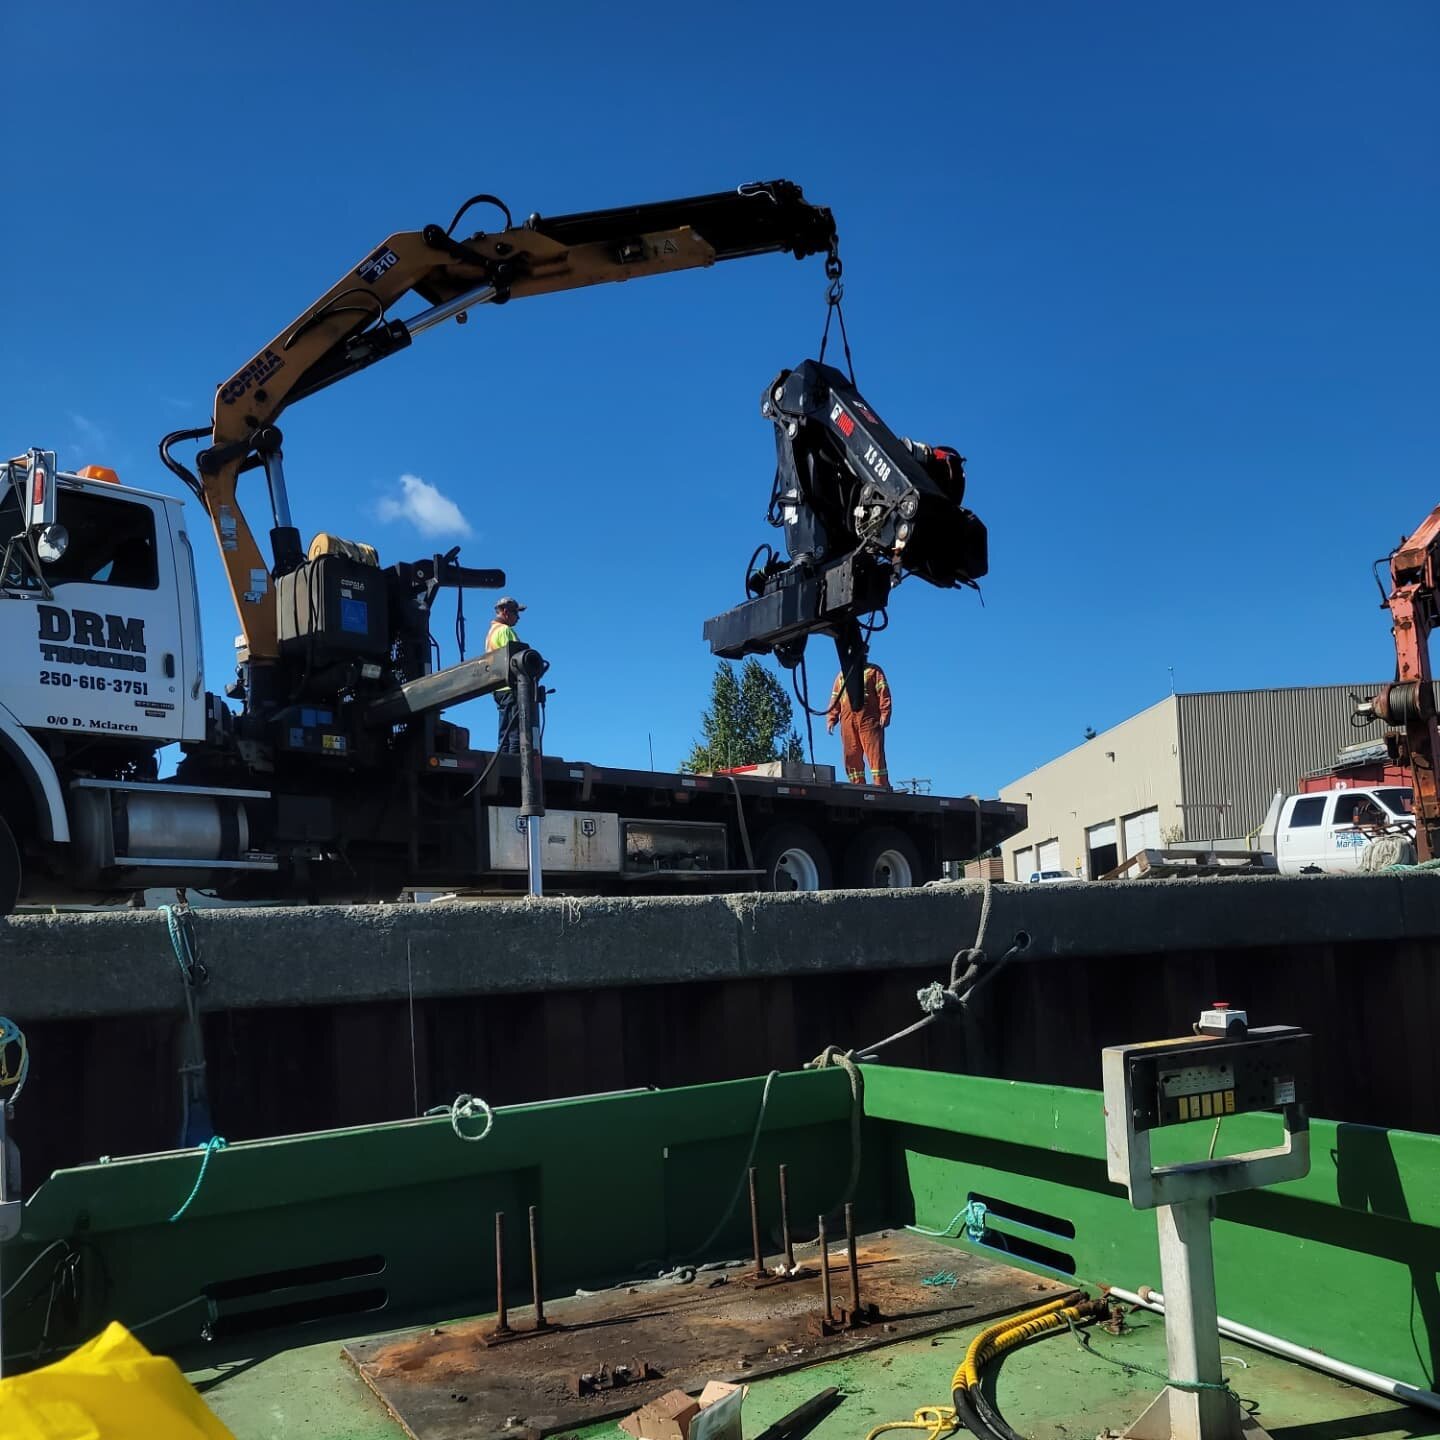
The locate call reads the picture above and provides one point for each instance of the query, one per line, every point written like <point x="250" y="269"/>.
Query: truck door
<point x="101" y="654"/>
<point x="1300" y="840"/>
<point x="1347" y="840"/>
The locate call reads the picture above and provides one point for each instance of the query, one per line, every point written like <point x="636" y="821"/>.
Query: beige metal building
<point x="1192" y="767"/>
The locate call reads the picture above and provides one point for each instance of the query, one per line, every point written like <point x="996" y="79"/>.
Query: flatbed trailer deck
<point x="654" y="830"/>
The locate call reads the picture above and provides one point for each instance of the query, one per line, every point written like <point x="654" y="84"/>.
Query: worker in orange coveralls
<point x="862" y="732"/>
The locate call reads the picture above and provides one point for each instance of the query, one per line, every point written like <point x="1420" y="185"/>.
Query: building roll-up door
<point x="1142" y="832"/>
<point x="1048" y="855"/>
<point x="1024" y="863"/>
<point x="1101" y="852"/>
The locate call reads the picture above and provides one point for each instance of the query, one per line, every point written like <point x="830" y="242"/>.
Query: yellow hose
<point x="939" y="1421"/>
<point x="936" y="1420"/>
<point x="1011" y="1339"/>
<point x="1005" y="1334"/>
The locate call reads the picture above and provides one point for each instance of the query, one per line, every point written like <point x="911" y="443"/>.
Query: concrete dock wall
<point x="322" y="1016"/>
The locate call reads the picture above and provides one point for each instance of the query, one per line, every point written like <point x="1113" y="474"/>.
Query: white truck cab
<point x="1328" y="832"/>
<point x="105" y="640"/>
<point x="100" y="668"/>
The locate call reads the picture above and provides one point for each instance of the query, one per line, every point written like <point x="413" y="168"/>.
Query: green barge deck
<point x="297" y="1255"/>
<point x="1051" y="1391"/>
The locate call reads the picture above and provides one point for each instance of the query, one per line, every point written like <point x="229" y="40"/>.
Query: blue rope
<point x="973" y="1218"/>
<point x="1131" y="1367"/>
<point x="185" y="955"/>
<point x="196" y="1126"/>
<point x="214" y="1143"/>
<point x="12" y="1034"/>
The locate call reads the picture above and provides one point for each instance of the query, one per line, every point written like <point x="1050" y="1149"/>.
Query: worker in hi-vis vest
<point x="502" y="632"/>
<point x="862" y="731"/>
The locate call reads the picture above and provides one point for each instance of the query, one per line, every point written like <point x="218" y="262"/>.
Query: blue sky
<point x="1165" y="275"/>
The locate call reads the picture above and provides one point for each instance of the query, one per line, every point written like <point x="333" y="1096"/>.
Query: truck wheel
<point x="883" y="859"/>
<point x="793" y="858"/>
<point x="9" y="868"/>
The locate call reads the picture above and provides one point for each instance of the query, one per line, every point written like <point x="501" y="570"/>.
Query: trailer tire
<point x="883" y="859"/>
<point x="793" y="857"/>
<point x="9" y="868"/>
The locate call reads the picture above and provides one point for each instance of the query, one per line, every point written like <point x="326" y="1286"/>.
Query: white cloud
<point x="424" y="507"/>
<point x="88" y="431"/>
<point x="90" y="443"/>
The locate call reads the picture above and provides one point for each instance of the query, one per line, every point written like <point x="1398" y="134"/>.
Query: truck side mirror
<point x="51" y="543"/>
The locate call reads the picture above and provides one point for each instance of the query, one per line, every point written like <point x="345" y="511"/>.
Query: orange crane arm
<point x="1410" y="701"/>
<point x="350" y="328"/>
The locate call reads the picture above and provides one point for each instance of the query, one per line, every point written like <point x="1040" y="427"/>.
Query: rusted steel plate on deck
<point x="445" y="1382"/>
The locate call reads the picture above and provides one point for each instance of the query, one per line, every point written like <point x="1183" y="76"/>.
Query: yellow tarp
<point x="112" y="1388"/>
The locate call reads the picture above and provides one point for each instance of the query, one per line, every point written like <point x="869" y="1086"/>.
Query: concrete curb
<point x="119" y="963"/>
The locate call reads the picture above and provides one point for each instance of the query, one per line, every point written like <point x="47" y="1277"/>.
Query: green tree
<point x="749" y="720"/>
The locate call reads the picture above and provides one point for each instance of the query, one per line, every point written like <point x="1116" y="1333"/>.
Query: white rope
<point x="466" y="1107"/>
<point x="935" y="999"/>
<point x="1384" y="851"/>
<point x="975" y="950"/>
<point x="984" y="916"/>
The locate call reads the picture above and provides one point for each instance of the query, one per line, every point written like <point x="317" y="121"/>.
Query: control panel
<point x="1197" y="1078"/>
<point x="1225" y="1068"/>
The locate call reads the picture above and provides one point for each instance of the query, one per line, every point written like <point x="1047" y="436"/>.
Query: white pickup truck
<point x="1324" y="832"/>
<point x="1332" y="832"/>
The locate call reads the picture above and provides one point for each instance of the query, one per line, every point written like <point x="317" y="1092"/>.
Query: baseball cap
<point x="505" y="600"/>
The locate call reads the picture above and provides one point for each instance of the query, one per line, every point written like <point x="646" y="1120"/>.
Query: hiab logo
<point x="81" y="637"/>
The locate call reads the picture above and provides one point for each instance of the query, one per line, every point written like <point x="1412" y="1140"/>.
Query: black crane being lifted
<point x="860" y="507"/>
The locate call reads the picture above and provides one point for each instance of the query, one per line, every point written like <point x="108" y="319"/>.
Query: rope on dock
<point x="935" y="999"/>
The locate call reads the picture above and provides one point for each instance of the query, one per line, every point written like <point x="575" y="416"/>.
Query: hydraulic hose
<point x="996" y="1339"/>
<point x="972" y="1407"/>
<point x="188" y="476"/>
<point x="989" y="1416"/>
